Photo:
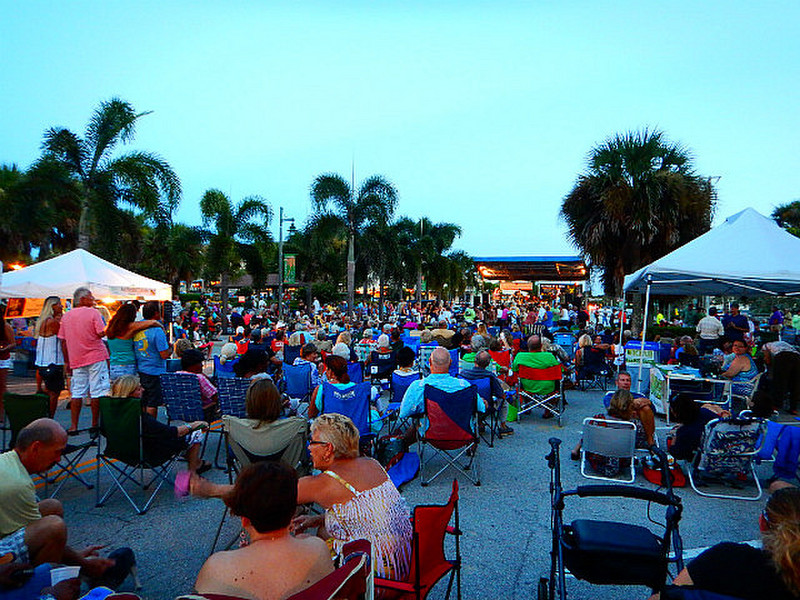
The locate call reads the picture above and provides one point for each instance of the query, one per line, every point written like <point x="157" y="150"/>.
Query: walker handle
<point x="589" y="491"/>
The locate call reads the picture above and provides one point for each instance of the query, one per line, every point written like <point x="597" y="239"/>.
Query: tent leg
<point x="644" y="335"/>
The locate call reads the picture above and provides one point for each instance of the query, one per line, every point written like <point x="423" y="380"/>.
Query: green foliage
<point x="638" y="200"/>
<point x="788" y="217"/>
<point x="326" y="292"/>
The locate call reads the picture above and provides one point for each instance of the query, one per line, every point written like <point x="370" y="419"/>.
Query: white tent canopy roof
<point x="747" y="255"/>
<point x="62" y="275"/>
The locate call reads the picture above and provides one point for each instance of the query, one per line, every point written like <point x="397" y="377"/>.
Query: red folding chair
<point x="429" y="564"/>
<point x="553" y="403"/>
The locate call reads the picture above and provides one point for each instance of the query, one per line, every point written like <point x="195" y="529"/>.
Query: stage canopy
<point x="747" y="255"/>
<point x="532" y="268"/>
<point x="62" y="275"/>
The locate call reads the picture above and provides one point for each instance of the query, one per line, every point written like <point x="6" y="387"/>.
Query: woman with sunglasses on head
<point x="742" y="571"/>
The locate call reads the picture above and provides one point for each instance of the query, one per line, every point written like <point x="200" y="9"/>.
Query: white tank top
<point x="48" y="351"/>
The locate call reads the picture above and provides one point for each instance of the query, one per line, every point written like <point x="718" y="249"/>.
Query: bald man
<point x="414" y="402"/>
<point x="34" y="532"/>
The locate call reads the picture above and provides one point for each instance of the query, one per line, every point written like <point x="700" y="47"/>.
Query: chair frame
<point x="232" y="393"/>
<point x="709" y="434"/>
<point x="416" y="588"/>
<point x="454" y="455"/>
<point x="597" y="381"/>
<point x="528" y="401"/>
<point x="160" y="473"/>
<point x="587" y="446"/>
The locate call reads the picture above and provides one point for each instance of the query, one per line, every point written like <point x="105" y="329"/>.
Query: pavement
<point x="506" y="521"/>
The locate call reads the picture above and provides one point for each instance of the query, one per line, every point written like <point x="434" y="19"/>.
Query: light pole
<point x="281" y="221"/>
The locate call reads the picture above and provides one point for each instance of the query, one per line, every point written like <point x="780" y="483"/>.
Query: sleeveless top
<point x="48" y="351"/>
<point x="122" y="351"/>
<point x="741" y="385"/>
<point x="379" y="515"/>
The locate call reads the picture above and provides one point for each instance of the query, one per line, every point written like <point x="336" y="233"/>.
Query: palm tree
<point x="138" y="179"/>
<point x="236" y="230"/>
<point x="424" y="245"/>
<point x="638" y="200"/>
<point x="788" y="217"/>
<point x="373" y="202"/>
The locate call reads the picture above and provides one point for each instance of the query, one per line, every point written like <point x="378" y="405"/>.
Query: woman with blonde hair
<point x="742" y="571"/>
<point x="49" y="355"/>
<point x="585" y="341"/>
<point x="120" y="331"/>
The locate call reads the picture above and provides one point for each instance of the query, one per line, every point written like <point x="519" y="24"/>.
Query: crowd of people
<point x="124" y="355"/>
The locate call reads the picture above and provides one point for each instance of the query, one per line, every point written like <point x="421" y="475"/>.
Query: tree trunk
<point x="83" y="226"/>
<point x="380" y="297"/>
<point x="223" y="286"/>
<point x="637" y="317"/>
<point x="351" y="275"/>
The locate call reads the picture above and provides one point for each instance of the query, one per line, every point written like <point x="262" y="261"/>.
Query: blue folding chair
<point x="297" y="380"/>
<point x="290" y="353"/>
<point x="173" y="365"/>
<point x="232" y="394"/>
<point x="484" y="388"/>
<point x="424" y="358"/>
<point x="356" y="372"/>
<point x="184" y="402"/>
<point x="451" y="432"/>
<point x="223" y="370"/>
<point x="352" y="402"/>
<point x="397" y="389"/>
<point x="453" y="362"/>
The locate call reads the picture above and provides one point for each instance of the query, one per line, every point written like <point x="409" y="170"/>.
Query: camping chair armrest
<point x="393" y="585"/>
<point x="453" y="531"/>
<point x="597" y="491"/>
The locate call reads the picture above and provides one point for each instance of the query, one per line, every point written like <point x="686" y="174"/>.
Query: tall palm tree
<point x="138" y="179"/>
<point x="788" y="217"/>
<point x="235" y="230"/>
<point x="424" y="245"/>
<point x="638" y="200"/>
<point x="373" y="202"/>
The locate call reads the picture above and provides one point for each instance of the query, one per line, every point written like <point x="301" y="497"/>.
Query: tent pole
<point x="644" y="333"/>
<point x="622" y="319"/>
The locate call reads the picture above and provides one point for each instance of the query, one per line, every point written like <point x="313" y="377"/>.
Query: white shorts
<point x="91" y="380"/>
<point x="6" y="364"/>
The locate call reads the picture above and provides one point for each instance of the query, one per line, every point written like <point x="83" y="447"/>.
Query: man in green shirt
<point x="535" y="359"/>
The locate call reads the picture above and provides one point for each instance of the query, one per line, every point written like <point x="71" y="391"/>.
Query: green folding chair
<point x="24" y="409"/>
<point x="122" y="454"/>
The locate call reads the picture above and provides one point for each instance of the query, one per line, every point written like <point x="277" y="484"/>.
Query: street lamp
<point x="281" y="221"/>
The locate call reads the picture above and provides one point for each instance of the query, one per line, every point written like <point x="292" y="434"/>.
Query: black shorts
<point x="151" y="396"/>
<point x="53" y="377"/>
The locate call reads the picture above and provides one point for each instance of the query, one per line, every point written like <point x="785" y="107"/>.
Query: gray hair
<point x="79" y="294"/>
<point x="341" y="349"/>
<point x="478" y="342"/>
<point x="482" y="359"/>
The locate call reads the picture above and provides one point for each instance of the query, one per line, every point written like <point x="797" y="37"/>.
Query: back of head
<point x="534" y="343"/>
<point x="266" y="494"/>
<point x="440" y="361"/>
<point x="124" y="386"/>
<point x="46" y="312"/>
<point x="308" y="350"/>
<point x="45" y="431"/>
<point x="584" y="341"/>
<point x="482" y="359"/>
<point x="684" y="409"/>
<point x="263" y="401"/>
<point x="344" y="338"/>
<point x="478" y="342"/>
<point x="80" y="293"/>
<point x="341" y="349"/>
<point x="338" y="367"/>
<point x="621" y="404"/>
<point x="227" y="352"/>
<point x="181" y="346"/>
<point x="405" y="357"/>
<point x="383" y="341"/>
<point x="151" y="310"/>
<point x="339" y="431"/>
<point x="426" y="336"/>
<point x="190" y="359"/>
<point x="782" y="535"/>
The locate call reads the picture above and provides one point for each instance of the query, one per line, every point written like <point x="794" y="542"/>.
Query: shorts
<point x="151" y="396"/>
<point x="6" y="363"/>
<point x="118" y="371"/>
<point x="91" y="380"/>
<point x="14" y="543"/>
<point x="53" y="377"/>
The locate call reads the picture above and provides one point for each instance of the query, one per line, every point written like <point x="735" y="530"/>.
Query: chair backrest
<point x="298" y="380"/>
<point x="173" y="365"/>
<point x="453" y="362"/>
<point x="400" y="383"/>
<point x="351" y="581"/>
<point x="24" y="409"/>
<point x="424" y="357"/>
<point x="120" y="425"/>
<point x="282" y="440"/>
<point x="290" y="353"/>
<point x="553" y="373"/>
<point x="608" y="437"/>
<point x="594" y="357"/>
<point x="182" y="397"/>
<point x="428" y="561"/>
<point x="381" y="365"/>
<point x="356" y="371"/>
<point x="450" y="416"/>
<point x="729" y="445"/>
<point x="232" y="393"/>
<point x="223" y="370"/>
<point x="483" y="387"/>
<point x="352" y="402"/>
<point x="364" y="349"/>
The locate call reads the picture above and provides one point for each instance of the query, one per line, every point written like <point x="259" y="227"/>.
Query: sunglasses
<point x="313" y="442"/>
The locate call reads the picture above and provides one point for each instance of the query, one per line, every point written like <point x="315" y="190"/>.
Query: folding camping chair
<point x="355" y="370"/>
<point x="493" y="404"/>
<point x="381" y="367"/>
<point x="593" y="371"/>
<point x="424" y="358"/>
<point x="183" y="401"/>
<point x="608" y="450"/>
<point x="364" y="349"/>
<point x="224" y="370"/>
<point x="452" y="432"/>
<point x="290" y="353"/>
<point x="453" y="363"/>
<point x="431" y="524"/>
<point x="353" y="580"/>
<point x="728" y="454"/>
<point x="554" y="403"/>
<point x="284" y="440"/>
<point x="297" y="382"/>
<point x="23" y="409"/>
<point x="352" y="402"/>
<point x="123" y="452"/>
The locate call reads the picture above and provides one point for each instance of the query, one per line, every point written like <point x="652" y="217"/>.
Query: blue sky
<point x="481" y="113"/>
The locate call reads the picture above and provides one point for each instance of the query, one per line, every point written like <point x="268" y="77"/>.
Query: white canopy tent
<point x="747" y="255"/>
<point x="62" y="275"/>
